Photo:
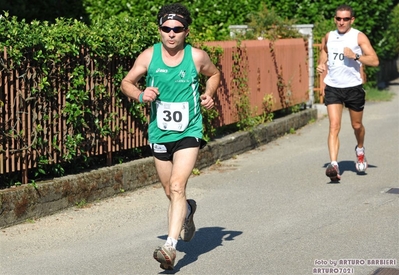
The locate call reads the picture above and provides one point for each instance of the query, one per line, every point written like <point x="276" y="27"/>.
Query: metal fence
<point x="34" y="129"/>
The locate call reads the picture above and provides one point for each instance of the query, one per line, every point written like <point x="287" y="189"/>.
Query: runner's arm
<point x="322" y="67"/>
<point x="369" y="57"/>
<point x="206" y="67"/>
<point x="129" y="83"/>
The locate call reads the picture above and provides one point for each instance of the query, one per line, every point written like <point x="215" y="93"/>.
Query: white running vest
<point x="343" y="72"/>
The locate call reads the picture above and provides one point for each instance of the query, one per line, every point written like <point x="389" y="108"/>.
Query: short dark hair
<point x="175" y="8"/>
<point x="345" y="8"/>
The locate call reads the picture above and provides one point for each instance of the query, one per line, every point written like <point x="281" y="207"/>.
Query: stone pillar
<point x="307" y="30"/>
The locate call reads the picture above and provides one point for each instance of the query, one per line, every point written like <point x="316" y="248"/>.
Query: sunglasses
<point x="346" y="19"/>
<point x="175" y="29"/>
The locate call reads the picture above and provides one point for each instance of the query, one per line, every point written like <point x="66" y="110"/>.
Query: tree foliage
<point x="44" y="10"/>
<point x="375" y="18"/>
<point x="390" y="37"/>
<point x="267" y="24"/>
<point x="212" y="18"/>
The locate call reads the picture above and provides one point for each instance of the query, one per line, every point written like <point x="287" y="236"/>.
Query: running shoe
<point x="188" y="229"/>
<point x="361" y="162"/>
<point x="165" y="255"/>
<point x="332" y="172"/>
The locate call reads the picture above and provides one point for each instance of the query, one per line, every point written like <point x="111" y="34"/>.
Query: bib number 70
<point x="339" y="55"/>
<point x="336" y="56"/>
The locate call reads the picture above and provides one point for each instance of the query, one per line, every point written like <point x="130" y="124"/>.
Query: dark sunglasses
<point x="175" y="29"/>
<point x="346" y="19"/>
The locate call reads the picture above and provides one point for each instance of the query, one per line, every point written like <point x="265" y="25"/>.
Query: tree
<point x="372" y="17"/>
<point x="44" y="10"/>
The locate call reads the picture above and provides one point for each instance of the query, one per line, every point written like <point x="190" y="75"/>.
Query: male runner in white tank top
<point x="343" y="53"/>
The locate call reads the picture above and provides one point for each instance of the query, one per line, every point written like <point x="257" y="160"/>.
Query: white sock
<point x="359" y="151"/>
<point x="172" y="242"/>
<point x="334" y="162"/>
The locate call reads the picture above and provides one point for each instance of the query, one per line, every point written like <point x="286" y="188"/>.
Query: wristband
<point x="141" y="97"/>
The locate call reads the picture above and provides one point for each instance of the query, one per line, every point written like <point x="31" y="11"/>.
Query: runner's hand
<point x="321" y="68"/>
<point x="150" y="94"/>
<point x="207" y="101"/>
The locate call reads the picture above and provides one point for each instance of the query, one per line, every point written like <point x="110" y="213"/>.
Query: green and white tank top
<point x="175" y="113"/>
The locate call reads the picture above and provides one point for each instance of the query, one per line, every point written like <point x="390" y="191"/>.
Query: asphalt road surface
<point x="268" y="211"/>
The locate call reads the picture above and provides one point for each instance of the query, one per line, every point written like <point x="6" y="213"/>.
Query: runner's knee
<point x="357" y="126"/>
<point x="177" y="189"/>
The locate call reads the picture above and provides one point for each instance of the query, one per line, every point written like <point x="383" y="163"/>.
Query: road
<point x="268" y="211"/>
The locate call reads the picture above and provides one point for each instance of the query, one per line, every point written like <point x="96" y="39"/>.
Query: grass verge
<point x="373" y="94"/>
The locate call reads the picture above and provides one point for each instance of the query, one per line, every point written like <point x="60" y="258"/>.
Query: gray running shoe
<point x="332" y="172"/>
<point x="188" y="229"/>
<point x="165" y="255"/>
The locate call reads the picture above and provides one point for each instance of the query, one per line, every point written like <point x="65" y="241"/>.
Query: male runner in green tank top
<point x="175" y="130"/>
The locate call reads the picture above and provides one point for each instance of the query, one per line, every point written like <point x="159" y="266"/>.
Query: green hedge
<point x="124" y="36"/>
<point x="53" y="56"/>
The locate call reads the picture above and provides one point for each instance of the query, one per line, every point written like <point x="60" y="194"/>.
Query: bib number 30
<point x="172" y="115"/>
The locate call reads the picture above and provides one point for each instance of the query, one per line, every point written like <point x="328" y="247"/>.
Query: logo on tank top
<point x="182" y="75"/>
<point x="159" y="70"/>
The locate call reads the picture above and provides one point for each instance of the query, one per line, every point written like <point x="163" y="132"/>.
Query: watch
<point x="357" y="56"/>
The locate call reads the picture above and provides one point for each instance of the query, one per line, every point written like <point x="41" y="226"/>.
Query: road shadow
<point x="348" y="166"/>
<point x="206" y="239"/>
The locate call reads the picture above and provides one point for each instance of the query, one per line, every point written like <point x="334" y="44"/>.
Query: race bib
<point x="172" y="115"/>
<point x="336" y="57"/>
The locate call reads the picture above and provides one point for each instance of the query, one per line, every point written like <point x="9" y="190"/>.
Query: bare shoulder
<point x="324" y="42"/>
<point x="145" y="56"/>
<point x="199" y="55"/>
<point x="203" y="62"/>
<point x="326" y="36"/>
<point x="140" y="66"/>
<point x="362" y="38"/>
<point x="365" y="44"/>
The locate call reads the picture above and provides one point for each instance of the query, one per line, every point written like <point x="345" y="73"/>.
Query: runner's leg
<point x="174" y="177"/>
<point x="183" y="164"/>
<point x="335" y="117"/>
<point x="357" y="125"/>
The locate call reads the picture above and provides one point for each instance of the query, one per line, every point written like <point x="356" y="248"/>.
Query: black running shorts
<point x="354" y="98"/>
<point x="165" y="151"/>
